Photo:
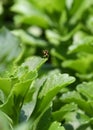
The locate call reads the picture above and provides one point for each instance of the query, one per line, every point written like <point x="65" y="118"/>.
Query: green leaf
<point x="31" y="97"/>
<point x="23" y="126"/>
<point x="85" y="77"/>
<point x="50" y="6"/>
<point x="56" y="126"/>
<point x="16" y="98"/>
<point x="44" y="117"/>
<point x="75" y="97"/>
<point x="1" y="7"/>
<point x="75" y="64"/>
<point x="5" y="87"/>
<point x="89" y="23"/>
<point x="28" y="39"/>
<point x="59" y="114"/>
<point x="78" y="120"/>
<point x="70" y="34"/>
<point x="28" y="68"/>
<point x="54" y="83"/>
<point x="10" y="49"/>
<point x="53" y="37"/>
<point x="57" y="54"/>
<point x="81" y="43"/>
<point x="85" y="89"/>
<point x="34" y="63"/>
<point x="29" y="14"/>
<point x="38" y="103"/>
<point x="78" y="9"/>
<point x="21" y="81"/>
<point x="5" y="122"/>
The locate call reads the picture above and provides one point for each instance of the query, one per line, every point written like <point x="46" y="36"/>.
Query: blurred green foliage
<point x="36" y="97"/>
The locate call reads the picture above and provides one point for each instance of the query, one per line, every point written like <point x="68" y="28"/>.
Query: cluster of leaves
<point x="38" y="98"/>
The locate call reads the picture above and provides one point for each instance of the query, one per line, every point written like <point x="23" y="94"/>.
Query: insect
<point x="45" y="53"/>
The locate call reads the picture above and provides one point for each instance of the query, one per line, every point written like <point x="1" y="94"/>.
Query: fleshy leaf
<point x="53" y="37"/>
<point x="78" y="8"/>
<point x="31" y="97"/>
<point x="23" y="126"/>
<point x="85" y="89"/>
<point x="29" y="14"/>
<point x="40" y="122"/>
<point x="50" y="6"/>
<point x="84" y="44"/>
<point x="10" y="49"/>
<point x="54" y="83"/>
<point x="16" y="98"/>
<point x="56" y="126"/>
<point x="28" y="39"/>
<point x="76" y="98"/>
<point x="5" y="87"/>
<point x="75" y="64"/>
<point x="34" y="63"/>
<point x="27" y="69"/>
<point x="5" y="122"/>
<point x="59" y="115"/>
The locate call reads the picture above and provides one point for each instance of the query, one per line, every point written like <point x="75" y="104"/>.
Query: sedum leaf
<point x="59" y="114"/>
<point x="5" y="88"/>
<point x="19" y="84"/>
<point x="5" y="122"/>
<point x="75" y="64"/>
<point x="75" y="97"/>
<point x="23" y="126"/>
<point x="53" y="37"/>
<point x="32" y="95"/>
<point x="29" y="14"/>
<point x="5" y="85"/>
<point x="15" y="98"/>
<point x="50" y="6"/>
<point x="34" y="63"/>
<point x="78" y="8"/>
<point x="40" y="123"/>
<point x="28" y="68"/>
<point x="81" y="43"/>
<point x="10" y="49"/>
<point x="28" y="39"/>
<point x="85" y="89"/>
<point x="56" y="126"/>
<point x="54" y="83"/>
